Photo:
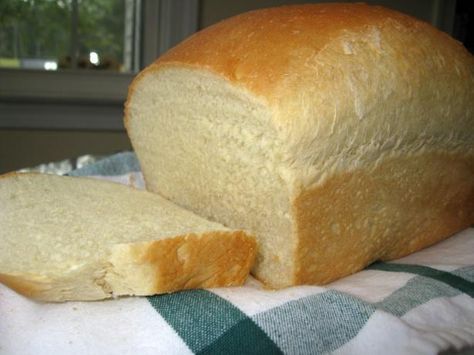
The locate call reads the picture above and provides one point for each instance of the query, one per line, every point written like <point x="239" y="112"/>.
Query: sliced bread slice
<point x="69" y="238"/>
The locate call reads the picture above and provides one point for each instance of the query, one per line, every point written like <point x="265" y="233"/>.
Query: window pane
<point x="67" y="34"/>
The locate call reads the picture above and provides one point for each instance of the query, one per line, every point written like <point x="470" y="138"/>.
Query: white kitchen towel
<point x="420" y="304"/>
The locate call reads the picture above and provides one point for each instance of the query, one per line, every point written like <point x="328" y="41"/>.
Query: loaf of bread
<point x="69" y="238"/>
<point x="339" y="134"/>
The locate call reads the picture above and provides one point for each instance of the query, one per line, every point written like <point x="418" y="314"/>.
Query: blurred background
<point x="65" y="65"/>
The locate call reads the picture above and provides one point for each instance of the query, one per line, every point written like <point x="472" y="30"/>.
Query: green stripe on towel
<point x="319" y="323"/>
<point x="324" y="322"/>
<point x="208" y="323"/>
<point x="245" y="337"/>
<point x="316" y="324"/>
<point x="414" y="293"/>
<point x="448" y="278"/>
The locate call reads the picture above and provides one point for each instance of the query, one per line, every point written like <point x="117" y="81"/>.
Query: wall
<point x="27" y="148"/>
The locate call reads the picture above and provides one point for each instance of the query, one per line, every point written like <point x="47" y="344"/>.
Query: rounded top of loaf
<point x="268" y="50"/>
<point x="285" y="54"/>
<point x="347" y="81"/>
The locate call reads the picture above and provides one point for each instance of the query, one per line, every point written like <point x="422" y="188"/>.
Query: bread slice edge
<point x="207" y="260"/>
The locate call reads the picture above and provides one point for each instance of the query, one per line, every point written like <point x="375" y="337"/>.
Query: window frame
<point x="90" y="99"/>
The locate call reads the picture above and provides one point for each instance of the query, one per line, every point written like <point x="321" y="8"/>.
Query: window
<point x="68" y="34"/>
<point x="67" y="63"/>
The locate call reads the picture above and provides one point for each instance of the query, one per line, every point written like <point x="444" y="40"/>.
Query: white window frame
<point x="81" y="99"/>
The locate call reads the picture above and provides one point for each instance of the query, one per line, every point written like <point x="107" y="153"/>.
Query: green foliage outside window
<point x="42" y="29"/>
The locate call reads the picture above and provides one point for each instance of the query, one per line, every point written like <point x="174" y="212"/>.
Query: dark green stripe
<point x="448" y="278"/>
<point x="466" y="272"/>
<point x="207" y="322"/>
<point x="244" y="337"/>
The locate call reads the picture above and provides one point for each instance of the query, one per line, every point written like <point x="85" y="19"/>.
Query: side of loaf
<point x="338" y="134"/>
<point x="68" y="238"/>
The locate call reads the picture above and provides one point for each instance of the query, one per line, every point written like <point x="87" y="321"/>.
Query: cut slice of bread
<point x="68" y="238"/>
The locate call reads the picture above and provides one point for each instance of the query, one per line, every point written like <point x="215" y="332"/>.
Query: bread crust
<point x="254" y="50"/>
<point x="214" y="259"/>
<point x="260" y="50"/>
<point x="261" y="46"/>
<point x="400" y="206"/>
<point x="26" y="285"/>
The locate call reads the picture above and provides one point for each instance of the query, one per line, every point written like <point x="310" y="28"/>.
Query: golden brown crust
<point x="259" y="45"/>
<point x="25" y="286"/>
<point x="12" y="174"/>
<point x="402" y="205"/>
<point x="213" y="259"/>
<point x="210" y="260"/>
<point x="254" y="49"/>
<point x="261" y="49"/>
